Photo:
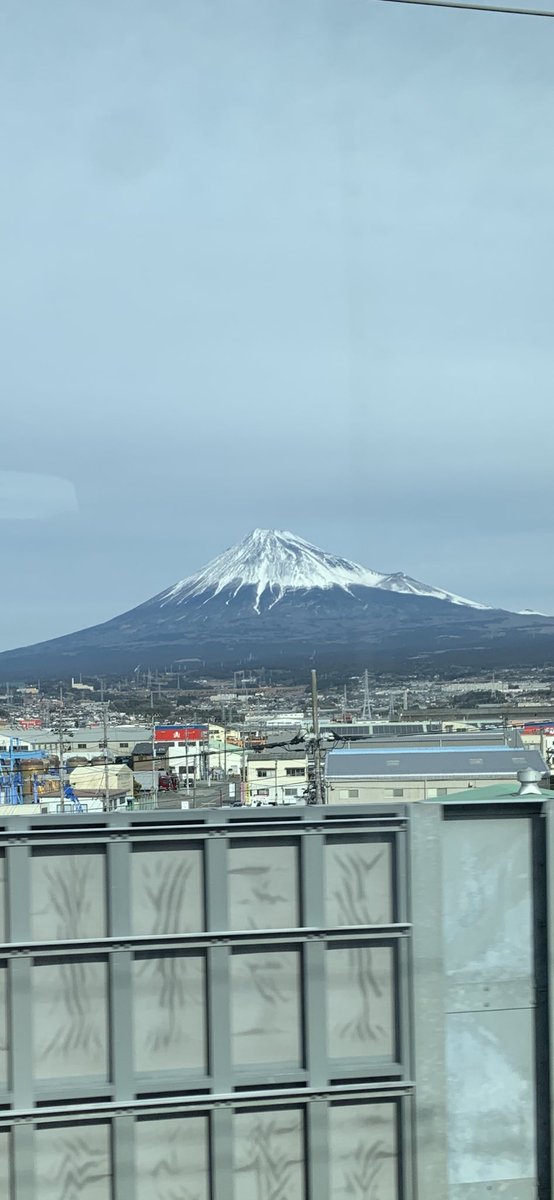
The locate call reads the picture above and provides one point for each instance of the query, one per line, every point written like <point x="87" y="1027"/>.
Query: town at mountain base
<point x="275" y="600"/>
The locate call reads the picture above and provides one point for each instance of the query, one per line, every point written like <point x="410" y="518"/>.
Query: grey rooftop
<point x="437" y="762"/>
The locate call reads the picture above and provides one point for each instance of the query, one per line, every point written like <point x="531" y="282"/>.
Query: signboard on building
<point x="180" y="733"/>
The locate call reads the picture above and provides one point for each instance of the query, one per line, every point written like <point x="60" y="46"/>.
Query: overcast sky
<point x="278" y="263"/>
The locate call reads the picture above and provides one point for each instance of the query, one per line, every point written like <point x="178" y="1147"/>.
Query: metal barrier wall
<point x="223" y="1004"/>
<point x="205" y="1005"/>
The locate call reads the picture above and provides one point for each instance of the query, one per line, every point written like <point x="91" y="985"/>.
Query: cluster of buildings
<point x="105" y="765"/>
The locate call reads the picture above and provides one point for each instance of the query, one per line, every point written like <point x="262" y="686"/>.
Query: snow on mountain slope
<point x="407" y="585"/>
<point x="279" y="561"/>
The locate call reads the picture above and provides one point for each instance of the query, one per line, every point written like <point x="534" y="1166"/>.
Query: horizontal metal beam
<point x="191" y="941"/>
<point x="66" y="826"/>
<point x="268" y="1098"/>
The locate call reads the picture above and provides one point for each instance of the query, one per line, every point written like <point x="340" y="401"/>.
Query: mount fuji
<point x="278" y="601"/>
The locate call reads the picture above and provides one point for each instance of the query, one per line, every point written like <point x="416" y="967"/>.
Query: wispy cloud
<point x="26" y="496"/>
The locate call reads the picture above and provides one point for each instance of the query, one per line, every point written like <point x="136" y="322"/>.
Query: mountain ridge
<point x="275" y="600"/>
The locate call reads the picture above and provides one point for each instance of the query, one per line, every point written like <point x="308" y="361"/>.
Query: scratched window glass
<point x="167" y="889"/>
<point x="360" y="1002"/>
<point x="68" y="895"/>
<point x="363" y="1152"/>
<point x="358" y="881"/>
<point x="168" y="1152"/>
<point x="269" y="1155"/>
<point x="266" y="1007"/>
<point x="70" y="1012"/>
<point x="169" y="1012"/>
<point x="263" y="886"/>
<point x="73" y="1161"/>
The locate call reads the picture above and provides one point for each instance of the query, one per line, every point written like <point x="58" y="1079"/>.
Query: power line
<point x="492" y="8"/>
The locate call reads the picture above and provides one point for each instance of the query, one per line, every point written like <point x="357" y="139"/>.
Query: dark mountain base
<point x="328" y="628"/>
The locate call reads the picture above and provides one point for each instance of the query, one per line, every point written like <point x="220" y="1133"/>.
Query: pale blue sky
<point x="273" y="263"/>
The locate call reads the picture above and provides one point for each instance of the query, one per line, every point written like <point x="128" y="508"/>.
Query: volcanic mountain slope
<point x="276" y="600"/>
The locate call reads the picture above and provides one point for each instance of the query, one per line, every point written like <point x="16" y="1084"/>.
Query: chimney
<point x="529" y="782"/>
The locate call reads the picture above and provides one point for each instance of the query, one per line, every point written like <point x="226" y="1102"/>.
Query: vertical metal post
<point x="18" y="887"/>
<point x="317" y="1146"/>
<point x="123" y="1157"/>
<point x="312" y="894"/>
<point x="23" y="1162"/>
<point x="549" y="814"/>
<point x="218" y="960"/>
<point x="428" y="1018"/>
<point x="121" y="1013"/>
<point x="221" y="1153"/>
<point x="401" y="884"/>
<point x="118" y="867"/>
<point x="314" y="950"/>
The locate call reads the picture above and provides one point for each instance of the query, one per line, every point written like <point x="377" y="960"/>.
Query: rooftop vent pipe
<point x="529" y="782"/>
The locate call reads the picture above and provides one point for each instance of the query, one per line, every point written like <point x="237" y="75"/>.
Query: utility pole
<point x="316" y="743"/>
<point x="154" y="780"/>
<point x="60" y="747"/>
<point x="106" y="759"/>
<point x="243" y="771"/>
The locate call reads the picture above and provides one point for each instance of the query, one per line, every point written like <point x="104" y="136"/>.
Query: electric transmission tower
<point x="366" y="711"/>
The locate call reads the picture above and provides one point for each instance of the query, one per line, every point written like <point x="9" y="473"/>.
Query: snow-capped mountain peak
<point x="277" y="561"/>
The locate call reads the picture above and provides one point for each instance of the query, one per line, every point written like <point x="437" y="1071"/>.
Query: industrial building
<point x="420" y="772"/>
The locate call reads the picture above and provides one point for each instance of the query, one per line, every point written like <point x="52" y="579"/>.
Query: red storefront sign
<point x="180" y="733"/>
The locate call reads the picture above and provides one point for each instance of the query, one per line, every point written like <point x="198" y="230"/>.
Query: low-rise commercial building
<point x="398" y="772"/>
